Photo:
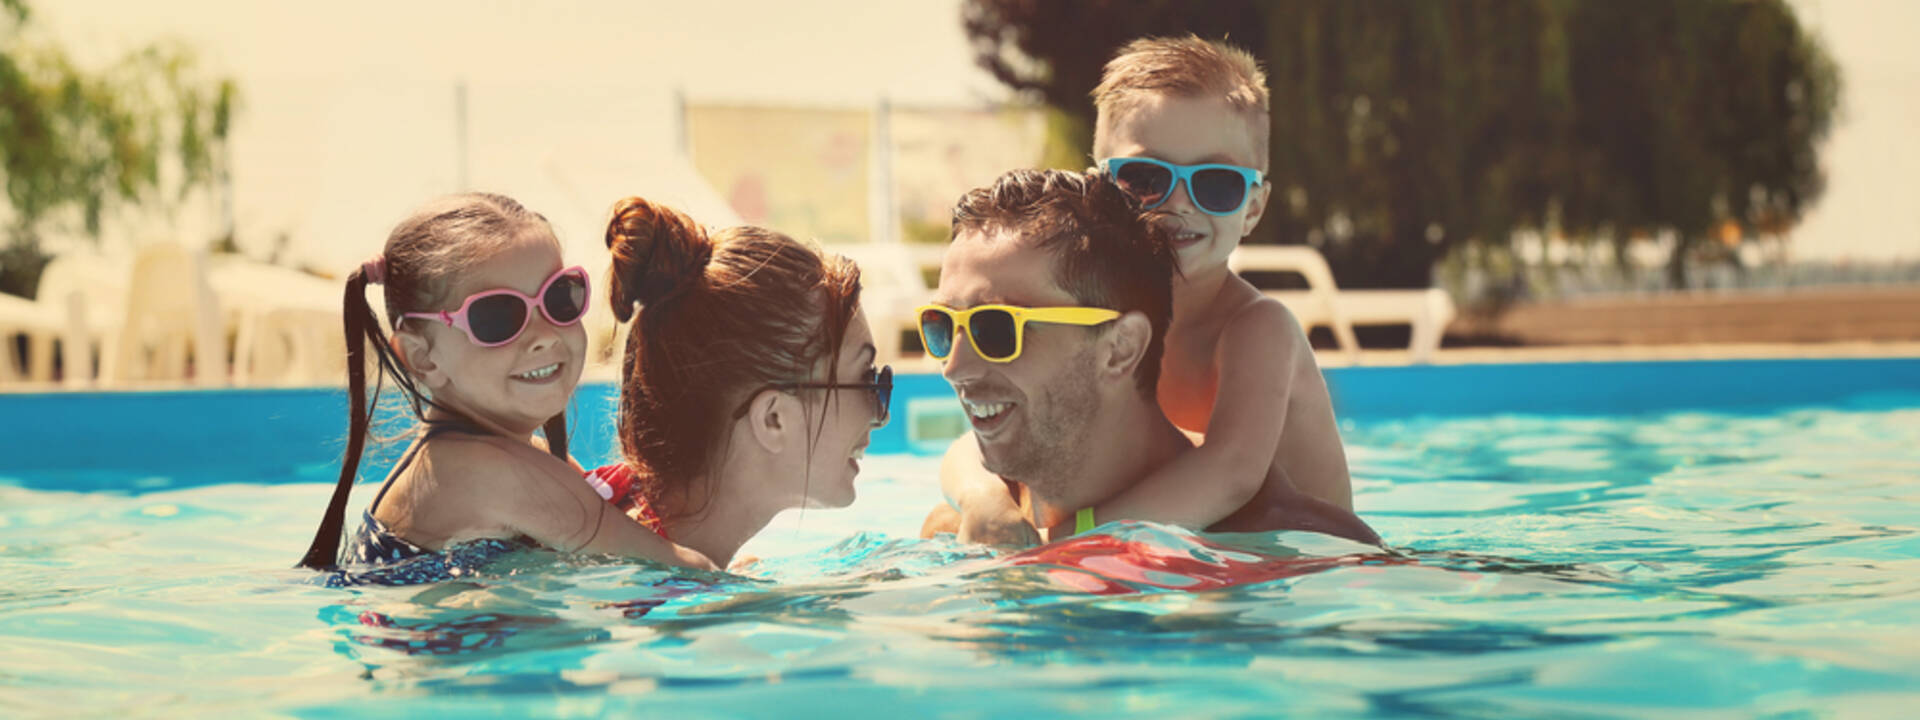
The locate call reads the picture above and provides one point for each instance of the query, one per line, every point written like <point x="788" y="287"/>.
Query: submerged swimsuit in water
<point x="396" y="561"/>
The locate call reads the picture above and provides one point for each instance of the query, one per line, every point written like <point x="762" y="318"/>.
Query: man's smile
<point x="987" y="417"/>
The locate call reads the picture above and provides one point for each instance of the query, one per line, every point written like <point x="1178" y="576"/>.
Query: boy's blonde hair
<point x="1183" y="67"/>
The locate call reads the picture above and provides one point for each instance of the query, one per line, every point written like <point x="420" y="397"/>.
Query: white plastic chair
<point x="39" y="326"/>
<point x="286" y="324"/>
<point x="288" y="346"/>
<point x="1324" y="303"/>
<point x="88" y="292"/>
<point x="171" y="313"/>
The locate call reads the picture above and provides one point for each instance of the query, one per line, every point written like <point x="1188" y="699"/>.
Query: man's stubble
<point x="1057" y="440"/>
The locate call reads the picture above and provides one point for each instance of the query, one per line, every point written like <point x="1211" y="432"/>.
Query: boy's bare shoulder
<point x="1262" y="323"/>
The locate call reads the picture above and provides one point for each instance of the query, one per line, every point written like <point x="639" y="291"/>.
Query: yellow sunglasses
<point x="997" y="331"/>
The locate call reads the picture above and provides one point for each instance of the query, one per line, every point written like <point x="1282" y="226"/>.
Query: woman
<point x="748" y="384"/>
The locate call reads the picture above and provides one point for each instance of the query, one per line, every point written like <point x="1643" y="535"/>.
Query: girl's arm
<point x="618" y="534"/>
<point x="537" y="495"/>
<point x="1256" y="358"/>
<point x="541" y="443"/>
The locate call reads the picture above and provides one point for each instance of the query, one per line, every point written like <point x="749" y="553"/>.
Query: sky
<point x="349" y="105"/>
<point x="1869" y="212"/>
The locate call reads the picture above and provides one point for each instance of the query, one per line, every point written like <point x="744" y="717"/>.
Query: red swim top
<point x="618" y="484"/>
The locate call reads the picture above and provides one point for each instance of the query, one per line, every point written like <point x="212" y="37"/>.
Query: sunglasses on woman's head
<point x="1214" y="188"/>
<point x="878" y="380"/>
<point x="998" y="332"/>
<point x="492" y="318"/>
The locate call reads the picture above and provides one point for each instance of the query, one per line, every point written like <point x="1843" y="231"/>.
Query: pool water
<point x="1653" y="564"/>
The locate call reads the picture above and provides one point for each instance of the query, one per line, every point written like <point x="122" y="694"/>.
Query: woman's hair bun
<point x="657" y="252"/>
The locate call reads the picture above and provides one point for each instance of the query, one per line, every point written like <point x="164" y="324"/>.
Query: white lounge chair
<point x="286" y="324"/>
<point x="38" y="325"/>
<point x="1324" y="303"/>
<point x="78" y="305"/>
<point x="88" y="292"/>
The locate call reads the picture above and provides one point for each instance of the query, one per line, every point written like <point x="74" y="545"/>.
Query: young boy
<point x="1182" y="123"/>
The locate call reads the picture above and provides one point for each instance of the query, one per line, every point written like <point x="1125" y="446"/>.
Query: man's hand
<point x="988" y="511"/>
<point x="993" y="518"/>
<point x="986" y="525"/>
<point x="942" y="519"/>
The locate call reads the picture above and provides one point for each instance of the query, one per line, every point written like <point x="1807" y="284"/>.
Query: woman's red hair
<point x="715" y="317"/>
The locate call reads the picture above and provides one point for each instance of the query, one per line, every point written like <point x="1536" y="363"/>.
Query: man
<point x="1053" y="301"/>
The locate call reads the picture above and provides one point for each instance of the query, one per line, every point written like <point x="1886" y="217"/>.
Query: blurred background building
<point x="1520" y="171"/>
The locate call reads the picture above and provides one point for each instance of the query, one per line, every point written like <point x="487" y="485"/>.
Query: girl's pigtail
<point x="362" y="329"/>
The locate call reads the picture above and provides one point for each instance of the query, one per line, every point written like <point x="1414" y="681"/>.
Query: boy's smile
<point x="1188" y="131"/>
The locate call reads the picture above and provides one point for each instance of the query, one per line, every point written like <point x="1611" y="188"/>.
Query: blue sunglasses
<point x="1214" y="188"/>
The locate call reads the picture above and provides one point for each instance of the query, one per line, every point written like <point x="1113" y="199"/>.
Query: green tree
<point x="76" y="145"/>
<point x="1709" y="116"/>
<point x="1402" y="130"/>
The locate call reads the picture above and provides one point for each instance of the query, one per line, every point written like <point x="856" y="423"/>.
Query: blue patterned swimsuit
<point x="385" y="558"/>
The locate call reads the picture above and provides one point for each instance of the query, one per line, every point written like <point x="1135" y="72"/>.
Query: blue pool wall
<point x="297" y="434"/>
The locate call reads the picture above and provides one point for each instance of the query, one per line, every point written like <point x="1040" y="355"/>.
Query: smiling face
<point x="1191" y="131"/>
<point x="841" y="421"/>
<point x="1030" y="415"/>
<point x="516" y="386"/>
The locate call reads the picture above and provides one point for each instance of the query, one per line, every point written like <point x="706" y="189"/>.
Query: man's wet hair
<point x="1107" y="252"/>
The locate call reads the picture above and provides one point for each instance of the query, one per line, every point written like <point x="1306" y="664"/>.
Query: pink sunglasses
<point x="492" y="318"/>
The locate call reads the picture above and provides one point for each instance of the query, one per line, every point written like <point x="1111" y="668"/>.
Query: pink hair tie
<point x="375" y="270"/>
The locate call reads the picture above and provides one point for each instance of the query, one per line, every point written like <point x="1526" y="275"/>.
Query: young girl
<point x="487" y="346"/>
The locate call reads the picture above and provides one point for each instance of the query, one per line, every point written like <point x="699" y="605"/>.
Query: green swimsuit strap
<point x="1083" y="520"/>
